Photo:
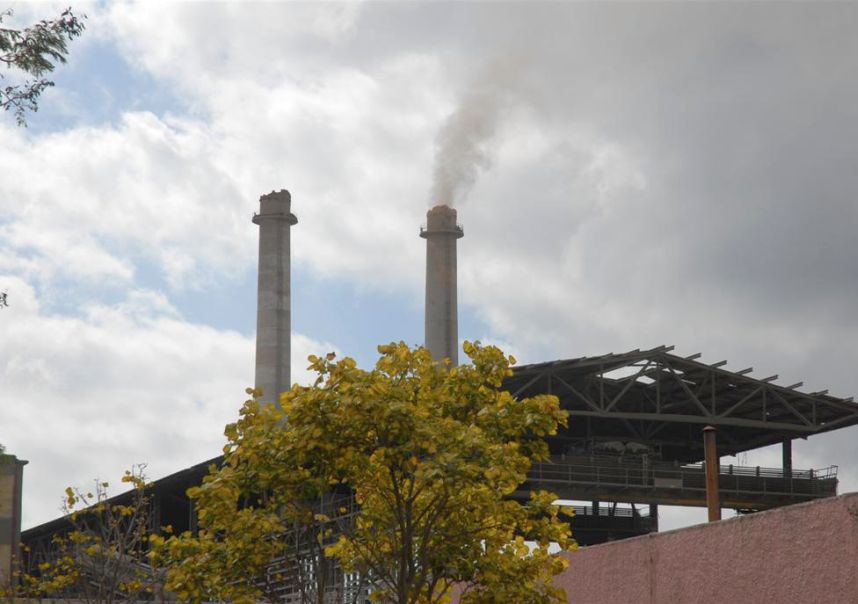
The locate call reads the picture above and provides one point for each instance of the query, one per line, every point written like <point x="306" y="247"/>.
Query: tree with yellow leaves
<point x="431" y="457"/>
<point x="103" y="555"/>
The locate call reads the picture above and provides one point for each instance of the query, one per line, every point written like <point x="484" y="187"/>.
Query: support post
<point x="713" y="499"/>
<point x="787" y="457"/>
<point x="653" y="516"/>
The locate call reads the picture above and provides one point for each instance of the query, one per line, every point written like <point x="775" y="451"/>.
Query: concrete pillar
<point x="442" y="324"/>
<point x="11" y="482"/>
<point x="273" y="306"/>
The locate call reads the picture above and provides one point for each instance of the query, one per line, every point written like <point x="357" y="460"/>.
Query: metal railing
<point x="758" y="471"/>
<point x="607" y="510"/>
<point x="639" y="473"/>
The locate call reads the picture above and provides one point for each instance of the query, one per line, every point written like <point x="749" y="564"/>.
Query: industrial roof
<point x="655" y="396"/>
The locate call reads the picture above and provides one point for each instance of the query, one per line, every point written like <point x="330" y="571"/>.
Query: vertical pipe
<point x="787" y="463"/>
<point x="273" y="306"/>
<point x="441" y="318"/>
<point x="787" y="458"/>
<point x="713" y="499"/>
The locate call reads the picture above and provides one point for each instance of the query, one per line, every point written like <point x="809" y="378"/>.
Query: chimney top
<point x="275" y="205"/>
<point x="442" y="220"/>
<point x="281" y="195"/>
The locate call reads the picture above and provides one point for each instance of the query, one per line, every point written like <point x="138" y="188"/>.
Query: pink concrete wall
<point x="804" y="553"/>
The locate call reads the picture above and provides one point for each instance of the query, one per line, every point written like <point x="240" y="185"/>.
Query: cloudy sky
<point x="627" y="175"/>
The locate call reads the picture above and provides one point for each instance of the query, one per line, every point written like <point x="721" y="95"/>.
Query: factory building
<point x="635" y="435"/>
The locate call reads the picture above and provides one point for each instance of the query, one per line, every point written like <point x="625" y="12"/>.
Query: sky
<point x="627" y="175"/>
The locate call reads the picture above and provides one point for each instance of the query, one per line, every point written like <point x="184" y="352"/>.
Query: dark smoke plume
<point x="463" y="146"/>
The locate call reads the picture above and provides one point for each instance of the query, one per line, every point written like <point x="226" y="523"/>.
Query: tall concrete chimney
<point x="442" y="324"/>
<point x="273" y="304"/>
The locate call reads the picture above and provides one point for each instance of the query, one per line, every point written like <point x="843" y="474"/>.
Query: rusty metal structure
<point x="636" y="435"/>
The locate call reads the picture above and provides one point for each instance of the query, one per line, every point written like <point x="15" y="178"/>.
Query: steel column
<point x="713" y="499"/>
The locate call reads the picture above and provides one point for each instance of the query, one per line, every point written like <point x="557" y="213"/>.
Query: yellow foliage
<point x="101" y="537"/>
<point x="431" y="455"/>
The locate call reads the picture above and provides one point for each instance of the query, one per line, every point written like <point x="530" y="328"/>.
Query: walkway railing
<point x="640" y="474"/>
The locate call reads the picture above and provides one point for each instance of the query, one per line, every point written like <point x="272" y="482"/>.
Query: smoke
<point x="464" y="144"/>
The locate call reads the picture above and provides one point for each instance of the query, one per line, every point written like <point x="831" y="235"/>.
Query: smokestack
<point x="442" y="324"/>
<point x="273" y="305"/>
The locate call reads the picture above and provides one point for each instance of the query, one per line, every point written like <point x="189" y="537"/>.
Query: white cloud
<point x="88" y="202"/>
<point x="133" y="382"/>
<point x="264" y="43"/>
